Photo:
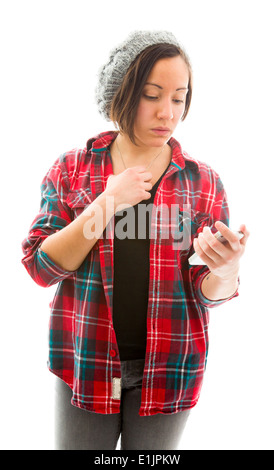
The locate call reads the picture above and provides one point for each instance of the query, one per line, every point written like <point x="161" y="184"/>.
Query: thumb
<point x="245" y="232"/>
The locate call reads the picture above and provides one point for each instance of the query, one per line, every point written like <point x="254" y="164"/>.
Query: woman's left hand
<point x="223" y="259"/>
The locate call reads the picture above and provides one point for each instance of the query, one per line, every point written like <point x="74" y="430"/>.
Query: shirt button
<point x="112" y="352"/>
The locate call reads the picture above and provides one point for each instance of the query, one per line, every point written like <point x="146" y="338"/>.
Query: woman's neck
<point x="137" y="155"/>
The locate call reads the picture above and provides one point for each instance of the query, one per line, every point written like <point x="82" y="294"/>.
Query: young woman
<point x="128" y="337"/>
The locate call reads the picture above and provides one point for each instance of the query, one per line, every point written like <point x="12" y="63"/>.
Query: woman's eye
<point x="155" y="98"/>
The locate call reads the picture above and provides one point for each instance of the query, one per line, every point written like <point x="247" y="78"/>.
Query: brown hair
<point x="125" y="102"/>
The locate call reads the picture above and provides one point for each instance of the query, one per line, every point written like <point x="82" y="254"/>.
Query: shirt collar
<point x="180" y="158"/>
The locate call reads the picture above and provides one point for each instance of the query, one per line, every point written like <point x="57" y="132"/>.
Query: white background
<point x="50" y="53"/>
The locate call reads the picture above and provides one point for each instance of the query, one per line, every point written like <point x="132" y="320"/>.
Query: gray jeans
<point x="77" y="429"/>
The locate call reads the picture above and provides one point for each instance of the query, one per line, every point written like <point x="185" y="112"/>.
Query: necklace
<point x="146" y="166"/>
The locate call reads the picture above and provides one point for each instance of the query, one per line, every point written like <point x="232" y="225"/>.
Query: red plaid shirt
<point x="83" y="349"/>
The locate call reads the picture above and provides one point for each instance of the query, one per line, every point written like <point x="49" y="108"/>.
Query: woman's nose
<point x="165" y="111"/>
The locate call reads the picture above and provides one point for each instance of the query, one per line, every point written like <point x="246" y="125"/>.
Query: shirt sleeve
<point x="54" y="214"/>
<point x="220" y="211"/>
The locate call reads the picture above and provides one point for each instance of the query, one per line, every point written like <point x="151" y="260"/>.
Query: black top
<point x="131" y="277"/>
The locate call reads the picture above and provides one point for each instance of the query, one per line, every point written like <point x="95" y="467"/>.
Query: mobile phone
<point x="195" y="259"/>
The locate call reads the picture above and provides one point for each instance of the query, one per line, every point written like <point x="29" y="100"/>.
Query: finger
<point x="139" y="168"/>
<point x="205" y="246"/>
<point x="246" y="234"/>
<point x="219" y="248"/>
<point x="206" y="259"/>
<point x="142" y="169"/>
<point x="147" y="176"/>
<point x="228" y="234"/>
<point x="147" y="186"/>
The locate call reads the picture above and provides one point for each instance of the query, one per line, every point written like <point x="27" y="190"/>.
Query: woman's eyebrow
<point x="158" y="86"/>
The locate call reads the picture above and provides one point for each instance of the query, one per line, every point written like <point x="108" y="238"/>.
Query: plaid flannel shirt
<point x="83" y="349"/>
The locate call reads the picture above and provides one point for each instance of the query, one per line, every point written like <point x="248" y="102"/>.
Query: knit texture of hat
<point x="111" y="74"/>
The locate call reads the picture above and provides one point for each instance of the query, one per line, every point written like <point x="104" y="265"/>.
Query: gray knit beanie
<point x="111" y="74"/>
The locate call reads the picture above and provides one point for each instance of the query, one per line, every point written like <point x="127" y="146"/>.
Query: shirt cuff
<point x="43" y="270"/>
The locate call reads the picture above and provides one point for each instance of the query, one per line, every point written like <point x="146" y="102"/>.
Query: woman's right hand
<point x="129" y="187"/>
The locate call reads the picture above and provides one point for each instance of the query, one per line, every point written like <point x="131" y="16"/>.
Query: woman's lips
<point x="161" y="131"/>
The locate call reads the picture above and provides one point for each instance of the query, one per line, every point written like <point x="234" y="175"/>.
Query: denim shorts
<point x="77" y="429"/>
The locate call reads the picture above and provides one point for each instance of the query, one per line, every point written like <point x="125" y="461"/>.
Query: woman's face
<point x="162" y="102"/>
